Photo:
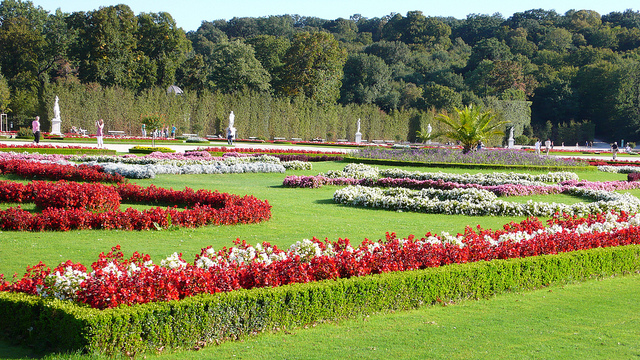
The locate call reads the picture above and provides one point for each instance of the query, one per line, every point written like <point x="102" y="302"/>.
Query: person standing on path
<point x="35" y="127"/>
<point x="614" y="149"/>
<point x="538" y="144"/>
<point x="547" y="145"/>
<point x="99" y="133"/>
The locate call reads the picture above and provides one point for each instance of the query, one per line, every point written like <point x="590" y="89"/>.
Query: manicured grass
<point x="296" y="214"/>
<point x="304" y="213"/>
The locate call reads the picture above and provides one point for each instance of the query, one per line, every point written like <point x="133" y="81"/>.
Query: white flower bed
<point x="619" y="169"/>
<point x="149" y="167"/>
<point x="479" y="202"/>
<point x="361" y="171"/>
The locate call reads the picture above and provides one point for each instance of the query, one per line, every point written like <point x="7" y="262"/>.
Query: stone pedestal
<point x="511" y="143"/>
<point x="55" y="126"/>
<point x="358" y="138"/>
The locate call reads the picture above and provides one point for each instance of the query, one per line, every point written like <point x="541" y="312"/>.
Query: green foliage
<point x="470" y="127"/>
<point x="61" y="325"/>
<point x="313" y="67"/>
<point x="153" y="121"/>
<point x="24" y="133"/>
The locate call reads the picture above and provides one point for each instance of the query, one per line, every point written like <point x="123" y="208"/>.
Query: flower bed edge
<point x="61" y="326"/>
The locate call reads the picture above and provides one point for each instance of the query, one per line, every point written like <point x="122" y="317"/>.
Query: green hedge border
<point x="61" y="151"/>
<point x="352" y="159"/>
<point x="65" y="326"/>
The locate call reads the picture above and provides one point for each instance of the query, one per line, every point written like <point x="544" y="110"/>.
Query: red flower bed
<point x="66" y="207"/>
<point x="43" y="146"/>
<point x="38" y="170"/>
<point x="268" y="151"/>
<point x="116" y="280"/>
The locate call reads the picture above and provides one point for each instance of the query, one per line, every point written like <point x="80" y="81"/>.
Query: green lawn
<point x="305" y="213"/>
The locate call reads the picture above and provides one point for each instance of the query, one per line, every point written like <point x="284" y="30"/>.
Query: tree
<point x="470" y="126"/>
<point x="270" y="51"/>
<point x="106" y="47"/>
<point x="314" y="67"/>
<point x="366" y="79"/>
<point x="165" y="45"/>
<point x="234" y="66"/>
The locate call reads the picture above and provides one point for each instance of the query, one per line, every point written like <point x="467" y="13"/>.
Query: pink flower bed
<point x="499" y="190"/>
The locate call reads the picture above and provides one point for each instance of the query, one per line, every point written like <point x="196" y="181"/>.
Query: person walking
<point x="614" y="149"/>
<point x="144" y="130"/>
<point x="547" y="145"/>
<point x="229" y="136"/>
<point x="35" y="127"/>
<point x="99" y="132"/>
<point x="538" y="144"/>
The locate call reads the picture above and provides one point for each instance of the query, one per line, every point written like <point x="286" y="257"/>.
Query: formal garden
<point x="398" y="252"/>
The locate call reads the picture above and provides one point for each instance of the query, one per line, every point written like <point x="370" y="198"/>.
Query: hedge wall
<point x="65" y="326"/>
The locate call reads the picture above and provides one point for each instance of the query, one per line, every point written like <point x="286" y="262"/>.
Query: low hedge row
<point x="65" y="326"/>
<point x="148" y="149"/>
<point x="468" y="166"/>
<point x="61" y="151"/>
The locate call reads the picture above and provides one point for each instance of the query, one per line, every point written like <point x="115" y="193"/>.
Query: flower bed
<point x="268" y="151"/>
<point x="192" y="165"/>
<point x="448" y="155"/>
<point x="51" y="171"/>
<point x="478" y="202"/>
<point x="116" y="280"/>
<point x="66" y="208"/>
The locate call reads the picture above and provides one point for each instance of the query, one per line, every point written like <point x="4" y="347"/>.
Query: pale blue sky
<point x="190" y="13"/>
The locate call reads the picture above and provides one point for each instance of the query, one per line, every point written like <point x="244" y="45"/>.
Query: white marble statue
<point x="232" y="118"/>
<point x="511" y="133"/>
<point x="56" y="121"/>
<point x="358" y="133"/>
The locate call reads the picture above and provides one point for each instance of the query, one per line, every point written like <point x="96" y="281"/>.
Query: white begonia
<point x="472" y="201"/>
<point x="306" y="249"/>
<point x="173" y="261"/>
<point x="62" y="286"/>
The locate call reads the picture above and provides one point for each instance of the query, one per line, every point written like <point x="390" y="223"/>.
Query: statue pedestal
<point x="511" y="143"/>
<point x="358" y="138"/>
<point x="55" y="126"/>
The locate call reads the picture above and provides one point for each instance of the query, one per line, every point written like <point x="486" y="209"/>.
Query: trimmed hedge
<point x="352" y="159"/>
<point x="66" y="326"/>
<point x="61" y="151"/>
<point x="148" y="150"/>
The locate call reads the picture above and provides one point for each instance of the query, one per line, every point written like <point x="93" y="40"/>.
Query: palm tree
<point x="470" y="127"/>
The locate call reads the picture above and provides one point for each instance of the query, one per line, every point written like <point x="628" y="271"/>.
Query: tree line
<point x="578" y="70"/>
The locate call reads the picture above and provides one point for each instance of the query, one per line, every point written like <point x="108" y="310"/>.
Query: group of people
<point x="165" y="131"/>
<point x="548" y="145"/>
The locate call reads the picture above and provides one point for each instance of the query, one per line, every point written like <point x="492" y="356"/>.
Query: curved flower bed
<point x="455" y="156"/>
<point x="620" y="169"/>
<point x="499" y="190"/>
<point x="268" y="151"/>
<point x="361" y="171"/>
<point x="65" y="208"/>
<point x="51" y="171"/>
<point x="115" y="280"/>
<point x="478" y="202"/>
<point x="148" y="167"/>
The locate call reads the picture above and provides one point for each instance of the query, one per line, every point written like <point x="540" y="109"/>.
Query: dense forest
<point x="576" y="75"/>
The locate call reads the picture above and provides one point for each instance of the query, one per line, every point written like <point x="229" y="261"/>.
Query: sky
<point x="189" y="14"/>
